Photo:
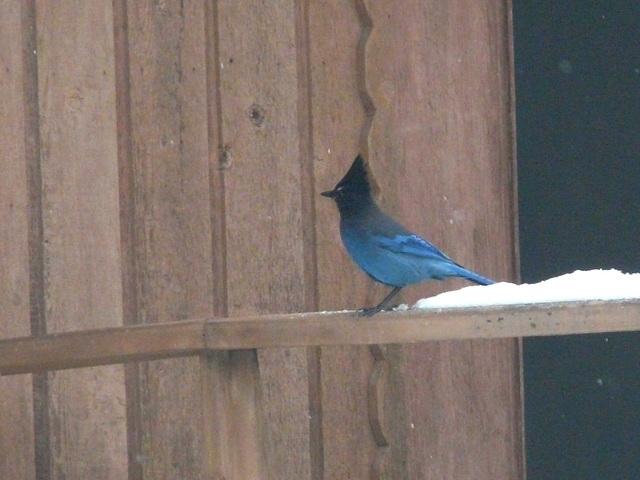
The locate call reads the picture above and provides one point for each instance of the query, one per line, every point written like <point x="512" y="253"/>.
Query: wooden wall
<point x="163" y="161"/>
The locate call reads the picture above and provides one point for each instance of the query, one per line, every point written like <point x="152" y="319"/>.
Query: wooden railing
<point x="194" y="337"/>
<point x="230" y="378"/>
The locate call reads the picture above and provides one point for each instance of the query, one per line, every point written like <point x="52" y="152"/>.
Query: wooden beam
<point x="414" y="326"/>
<point x="192" y="337"/>
<point x="105" y="346"/>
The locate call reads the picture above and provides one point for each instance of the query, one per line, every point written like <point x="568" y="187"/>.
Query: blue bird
<point x="381" y="247"/>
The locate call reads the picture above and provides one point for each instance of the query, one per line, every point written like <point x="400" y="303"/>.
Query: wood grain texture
<point x="232" y="395"/>
<point x="16" y="402"/>
<point x="442" y="150"/>
<point x="193" y="337"/>
<point x="460" y="410"/>
<point x="112" y="345"/>
<point x="126" y="178"/>
<point x="37" y="293"/>
<point x="262" y="78"/>
<point x="309" y="233"/>
<point x="338" y="117"/>
<point x="81" y="231"/>
<point x="183" y="148"/>
<point x="443" y="135"/>
<point x="427" y="114"/>
<point x="169" y="220"/>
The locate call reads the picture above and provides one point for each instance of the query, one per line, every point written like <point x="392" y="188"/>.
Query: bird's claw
<point x="371" y="311"/>
<point x="368" y="312"/>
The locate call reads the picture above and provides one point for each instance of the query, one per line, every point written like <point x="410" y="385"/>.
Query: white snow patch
<point x="579" y="285"/>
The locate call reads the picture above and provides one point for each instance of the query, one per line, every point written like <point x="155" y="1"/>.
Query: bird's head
<point x="354" y="188"/>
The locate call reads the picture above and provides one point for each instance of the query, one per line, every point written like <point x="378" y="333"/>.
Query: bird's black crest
<point x="357" y="178"/>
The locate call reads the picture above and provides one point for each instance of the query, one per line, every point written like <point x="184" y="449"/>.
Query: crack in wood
<point x="368" y="105"/>
<point x="378" y="376"/>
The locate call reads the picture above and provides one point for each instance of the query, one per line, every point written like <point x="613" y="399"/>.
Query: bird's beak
<point x="329" y="193"/>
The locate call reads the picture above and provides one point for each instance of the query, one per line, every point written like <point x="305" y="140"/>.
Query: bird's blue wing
<point x="411" y="245"/>
<point x="421" y="260"/>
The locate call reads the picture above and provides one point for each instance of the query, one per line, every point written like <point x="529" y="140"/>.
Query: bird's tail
<point x="475" y="278"/>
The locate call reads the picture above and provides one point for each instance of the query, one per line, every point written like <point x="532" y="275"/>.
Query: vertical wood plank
<point x="441" y="135"/>
<point x="81" y="234"/>
<point x="225" y="137"/>
<point x="349" y="447"/>
<point x="463" y="410"/>
<point x="232" y="397"/>
<point x="259" y="70"/>
<point x="219" y="158"/>
<point x="232" y="412"/>
<point x="169" y="223"/>
<point x="442" y="150"/>
<point x="126" y="179"/>
<point x="16" y="401"/>
<point x="339" y="118"/>
<point x="309" y="233"/>
<point x="37" y="293"/>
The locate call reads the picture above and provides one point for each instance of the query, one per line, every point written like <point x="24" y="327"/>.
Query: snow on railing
<point x="591" y="314"/>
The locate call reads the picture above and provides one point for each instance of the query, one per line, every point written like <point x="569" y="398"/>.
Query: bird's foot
<point x="371" y="311"/>
<point x="368" y="312"/>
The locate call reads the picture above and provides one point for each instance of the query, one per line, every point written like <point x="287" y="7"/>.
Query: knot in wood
<point x="224" y="157"/>
<point x="256" y="114"/>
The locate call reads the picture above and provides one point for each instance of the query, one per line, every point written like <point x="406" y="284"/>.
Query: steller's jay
<point x="384" y="249"/>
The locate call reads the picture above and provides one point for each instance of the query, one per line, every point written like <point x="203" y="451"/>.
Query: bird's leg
<point x="368" y="312"/>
